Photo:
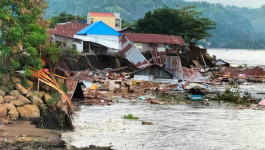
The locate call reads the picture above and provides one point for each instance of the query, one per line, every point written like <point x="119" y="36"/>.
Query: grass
<point x="130" y="117"/>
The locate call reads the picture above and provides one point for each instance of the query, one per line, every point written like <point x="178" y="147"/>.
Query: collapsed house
<point x="156" y="55"/>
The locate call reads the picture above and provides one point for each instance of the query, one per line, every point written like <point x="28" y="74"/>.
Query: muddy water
<point x="238" y="57"/>
<point x="182" y="127"/>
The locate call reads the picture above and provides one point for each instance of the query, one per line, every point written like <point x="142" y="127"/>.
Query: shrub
<point x="233" y="96"/>
<point x="130" y="117"/>
<point x="52" y="101"/>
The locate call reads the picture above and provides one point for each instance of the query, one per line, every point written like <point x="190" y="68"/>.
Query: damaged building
<point x="102" y="47"/>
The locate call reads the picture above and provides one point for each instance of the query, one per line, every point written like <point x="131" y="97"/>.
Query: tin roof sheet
<point x="67" y="29"/>
<point x="132" y="54"/>
<point x="99" y="28"/>
<point x="155" y="38"/>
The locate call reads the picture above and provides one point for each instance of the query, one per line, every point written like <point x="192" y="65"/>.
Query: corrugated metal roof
<point x="254" y="72"/>
<point x="155" y="38"/>
<point x="158" y="57"/>
<point x="154" y="65"/>
<point x="67" y="29"/>
<point x="99" y="14"/>
<point x="71" y="86"/>
<point x="99" y="28"/>
<point x="131" y="53"/>
<point x="173" y="65"/>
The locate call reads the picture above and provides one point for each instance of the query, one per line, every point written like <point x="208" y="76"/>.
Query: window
<point x="85" y="47"/>
<point x="117" y="23"/>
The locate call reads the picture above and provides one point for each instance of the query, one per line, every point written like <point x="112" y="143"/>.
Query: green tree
<point x="64" y="17"/>
<point x="185" y="22"/>
<point x="23" y="34"/>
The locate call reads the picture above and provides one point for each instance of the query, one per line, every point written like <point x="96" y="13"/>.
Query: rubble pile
<point x="103" y="87"/>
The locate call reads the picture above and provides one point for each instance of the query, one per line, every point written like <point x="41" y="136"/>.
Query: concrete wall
<point x="110" y="21"/>
<point x="146" y="47"/>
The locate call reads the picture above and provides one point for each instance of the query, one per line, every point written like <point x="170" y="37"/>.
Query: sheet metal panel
<point x="155" y="38"/>
<point x="158" y="57"/>
<point x="132" y="54"/>
<point x="173" y="65"/>
<point x="71" y="86"/>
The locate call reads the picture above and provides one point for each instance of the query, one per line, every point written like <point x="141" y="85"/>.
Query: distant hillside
<point x="236" y="27"/>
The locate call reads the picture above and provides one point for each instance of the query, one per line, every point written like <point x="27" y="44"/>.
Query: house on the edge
<point x="148" y="42"/>
<point x="97" y="38"/>
<point x="111" y="19"/>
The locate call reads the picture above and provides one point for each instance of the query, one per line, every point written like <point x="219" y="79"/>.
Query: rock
<point x="21" y="89"/>
<point x="39" y="94"/>
<point x="2" y="93"/>
<point x="29" y="95"/>
<point x="47" y="97"/>
<point x="5" y="79"/>
<point x="16" y="103"/>
<point x="23" y="99"/>
<point x="15" y="80"/>
<point x="5" y="120"/>
<point x="29" y="112"/>
<point x="30" y="85"/>
<point x="36" y="101"/>
<point x="9" y="106"/>
<point x="13" y="114"/>
<point x="157" y="102"/>
<point x="15" y="93"/>
<point x="147" y="123"/>
<point x="3" y="111"/>
<point x="11" y="86"/>
<point x="1" y="100"/>
<point x="5" y="89"/>
<point x="7" y="99"/>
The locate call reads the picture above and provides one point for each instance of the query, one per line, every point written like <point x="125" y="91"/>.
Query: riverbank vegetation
<point x="232" y="95"/>
<point x="24" y="48"/>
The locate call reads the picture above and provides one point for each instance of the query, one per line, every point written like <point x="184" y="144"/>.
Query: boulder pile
<point x="17" y="102"/>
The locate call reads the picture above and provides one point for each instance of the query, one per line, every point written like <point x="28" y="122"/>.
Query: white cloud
<point x="239" y="3"/>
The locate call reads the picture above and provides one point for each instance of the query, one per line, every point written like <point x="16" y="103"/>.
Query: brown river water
<point x="184" y="127"/>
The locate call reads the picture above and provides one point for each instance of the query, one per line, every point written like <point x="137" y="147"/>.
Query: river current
<point x="182" y="127"/>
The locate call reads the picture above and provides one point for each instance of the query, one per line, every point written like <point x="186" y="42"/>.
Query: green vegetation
<point x="236" y="27"/>
<point x="184" y="22"/>
<point x="64" y="17"/>
<point x="232" y="95"/>
<point x="52" y="101"/>
<point x="23" y="36"/>
<point x="130" y="117"/>
<point x="64" y="88"/>
<point x="242" y="66"/>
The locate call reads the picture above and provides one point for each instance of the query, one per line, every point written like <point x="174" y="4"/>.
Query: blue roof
<point x="99" y="28"/>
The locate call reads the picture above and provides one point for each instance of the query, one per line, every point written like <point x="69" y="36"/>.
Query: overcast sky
<point x="239" y="3"/>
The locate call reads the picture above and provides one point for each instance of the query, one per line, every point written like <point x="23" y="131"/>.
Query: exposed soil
<point x="24" y="135"/>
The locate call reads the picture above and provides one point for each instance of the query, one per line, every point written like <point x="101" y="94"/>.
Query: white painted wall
<point x="109" y="41"/>
<point x="79" y="46"/>
<point x="146" y="47"/>
<point x="111" y="50"/>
